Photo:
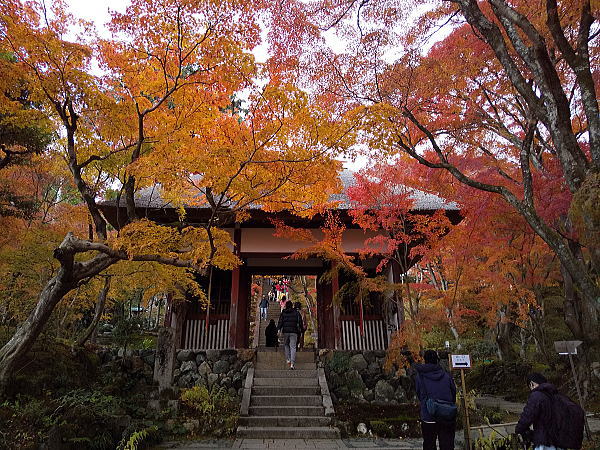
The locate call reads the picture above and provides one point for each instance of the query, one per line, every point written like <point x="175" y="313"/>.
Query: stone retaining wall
<point x="226" y="368"/>
<point x="360" y="376"/>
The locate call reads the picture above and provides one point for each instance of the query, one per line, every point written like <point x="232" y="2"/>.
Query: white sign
<point x="460" y="361"/>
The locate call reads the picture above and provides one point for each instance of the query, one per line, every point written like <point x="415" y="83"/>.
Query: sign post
<point x="570" y="348"/>
<point x="462" y="362"/>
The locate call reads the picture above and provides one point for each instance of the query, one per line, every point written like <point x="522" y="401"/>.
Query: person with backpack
<point x="436" y="392"/>
<point x="290" y="323"/>
<point x="557" y="421"/>
<point x="298" y="307"/>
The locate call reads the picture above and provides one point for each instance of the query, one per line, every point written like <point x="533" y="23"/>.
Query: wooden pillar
<point x="325" y="315"/>
<point x="337" y="324"/>
<point x="396" y="278"/>
<point x="234" y="309"/>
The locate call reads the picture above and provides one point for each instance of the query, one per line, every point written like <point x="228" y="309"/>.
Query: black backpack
<point x="568" y="421"/>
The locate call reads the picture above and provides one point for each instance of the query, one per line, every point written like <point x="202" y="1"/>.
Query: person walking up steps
<point x="264" y="305"/>
<point x="298" y="307"/>
<point x="290" y="324"/>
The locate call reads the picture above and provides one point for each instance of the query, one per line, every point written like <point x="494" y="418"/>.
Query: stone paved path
<point x="390" y="444"/>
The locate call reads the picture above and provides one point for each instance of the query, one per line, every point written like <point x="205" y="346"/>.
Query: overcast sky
<point x="96" y="10"/>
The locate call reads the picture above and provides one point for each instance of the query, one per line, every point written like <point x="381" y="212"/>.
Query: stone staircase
<point x="283" y="403"/>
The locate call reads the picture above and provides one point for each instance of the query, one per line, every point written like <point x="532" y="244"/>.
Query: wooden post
<point x="467" y="425"/>
<point x="235" y="292"/>
<point x="337" y="326"/>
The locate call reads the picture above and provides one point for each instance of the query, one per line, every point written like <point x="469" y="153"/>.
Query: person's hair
<point x="298" y="305"/>
<point x="430" y="357"/>
<point x="536" y="377"/>
<point x="272" y="322"/>
<point x="288" y="305"/>
<point x="283" y="298"/>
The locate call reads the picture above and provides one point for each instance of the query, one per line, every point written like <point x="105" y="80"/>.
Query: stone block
<point x="213" y="355"/>
<point x="188" y="366"/>
<point x="358" y="362"/>
<point x="185" y="355"/>
<point x="221" y="366"/>
<point x="383" y="390"/>
<point x="211" y="379"/>
<point x="200" y="358"/>
<point x="204" y="369"/>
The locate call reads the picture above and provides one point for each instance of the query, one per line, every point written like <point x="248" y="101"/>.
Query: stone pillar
<point x="168" y="342"/>
<point x="164" y="361"/>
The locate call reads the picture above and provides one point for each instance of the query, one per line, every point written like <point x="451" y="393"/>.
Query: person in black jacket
<point x="432" y="381"/>
<point x="271" y="334"/>
<point x="538" y="412"/>
<point x="264" y="306"/>
<point x="290" y="323"/>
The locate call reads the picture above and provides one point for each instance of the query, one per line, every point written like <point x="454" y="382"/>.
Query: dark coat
<point x="433" y="380"/>
<point x="290" y="321"/>
<point x="538" y="412"/>
<point x="264" y="303"/>
<point x="271" y="335"/>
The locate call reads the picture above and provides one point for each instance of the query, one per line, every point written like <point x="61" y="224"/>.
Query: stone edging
<point x="327" y="402"/>
<point x="245" y="406"/>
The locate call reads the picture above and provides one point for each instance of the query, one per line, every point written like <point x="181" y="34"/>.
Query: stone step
<point x="288" y="433"/>
<point x="277" y="354"/>
<point x="286" y="381"/>
<point x="286" y="411"/>
<point x="286" y="400"/>
<point x="285" y="373"/>
<point x="282" y="365"/>
<point x="286" y="390"/>
<point x="277" y="421"/>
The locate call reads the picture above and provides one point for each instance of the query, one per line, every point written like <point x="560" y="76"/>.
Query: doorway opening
<point x="276" y="289"/>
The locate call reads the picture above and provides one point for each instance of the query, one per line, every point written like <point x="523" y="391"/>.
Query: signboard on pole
<point x="566" y="347"/>
<point x="460" y="361"/>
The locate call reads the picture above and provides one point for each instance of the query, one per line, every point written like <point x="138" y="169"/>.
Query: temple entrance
<point x="276" y="289"/>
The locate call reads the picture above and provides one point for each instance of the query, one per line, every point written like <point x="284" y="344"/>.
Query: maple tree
<point x="503" y="101"/>
<point x="164" y="110"/>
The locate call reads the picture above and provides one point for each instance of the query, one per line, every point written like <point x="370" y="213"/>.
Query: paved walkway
<point x="390" y="444"/>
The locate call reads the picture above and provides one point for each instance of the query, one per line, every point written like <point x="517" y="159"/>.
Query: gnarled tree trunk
<point x="97" y="314"/>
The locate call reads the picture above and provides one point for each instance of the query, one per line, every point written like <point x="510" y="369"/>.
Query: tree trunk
<point x="503" y="337"/>
<point x="27" y="333"/>
<point x="582" y="319"/>
<point x="97" y="314"/>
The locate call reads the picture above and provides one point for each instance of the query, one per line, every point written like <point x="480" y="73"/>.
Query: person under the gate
<point x="271" y="335"/>
<point x="290" y="324"/>
<point x="298" y="307"/>
<point x="264" y="305"/>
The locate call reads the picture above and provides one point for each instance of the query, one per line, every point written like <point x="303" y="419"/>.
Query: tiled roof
<point x="150" y="197"/>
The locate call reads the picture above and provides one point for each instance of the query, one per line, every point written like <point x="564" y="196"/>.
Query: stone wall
<point x="226" y="368"/>
<point x="360" y="377"/>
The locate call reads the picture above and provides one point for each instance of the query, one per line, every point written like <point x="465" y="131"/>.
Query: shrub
<point x="340" y="362"/>
<point x="215" y="409"/>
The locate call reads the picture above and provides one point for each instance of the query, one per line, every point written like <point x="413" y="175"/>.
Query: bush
<point x="215" y="409"/>
<point x="340" y="362"/>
